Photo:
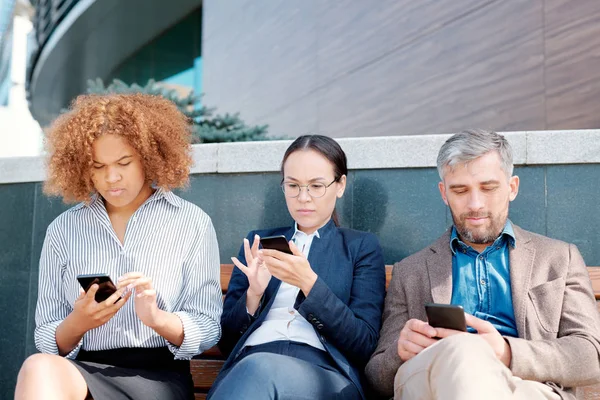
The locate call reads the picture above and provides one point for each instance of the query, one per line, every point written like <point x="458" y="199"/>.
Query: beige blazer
<point x="554" y="306"/>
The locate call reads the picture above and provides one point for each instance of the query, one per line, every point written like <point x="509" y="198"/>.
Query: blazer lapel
<point x="521" y="259"/>
<point x="319" y="251"/>
<point x="440" y="272"/>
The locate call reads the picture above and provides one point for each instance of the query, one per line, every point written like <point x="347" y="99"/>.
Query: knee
<point x="37" y="364"/>
<point x="258" y="364"/>
<point x="468" y="345"/>
<point x="251" y="377"/>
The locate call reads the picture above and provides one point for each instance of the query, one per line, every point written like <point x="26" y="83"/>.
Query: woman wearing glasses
<point x="303" y="325"/>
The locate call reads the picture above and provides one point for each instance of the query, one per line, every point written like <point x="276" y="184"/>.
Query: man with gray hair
<point x="534" y="330"/>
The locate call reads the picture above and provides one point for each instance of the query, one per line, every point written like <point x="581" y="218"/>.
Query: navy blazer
<point x="344" y="306"/>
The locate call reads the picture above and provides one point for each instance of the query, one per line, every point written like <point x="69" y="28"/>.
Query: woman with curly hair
<point x="120" y="156"/>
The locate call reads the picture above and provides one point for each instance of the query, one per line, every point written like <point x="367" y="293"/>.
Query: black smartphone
<point x="106" y="287"/>
<point x="276" y="243"/>
<point x="447" y="316"/>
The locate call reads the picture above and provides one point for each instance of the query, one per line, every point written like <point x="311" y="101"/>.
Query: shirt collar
<point x="506" y="234"/>
<point x="300" y="233"/>
<point x="168" y="196"/>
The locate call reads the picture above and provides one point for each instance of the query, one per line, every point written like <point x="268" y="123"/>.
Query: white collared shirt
<point x="283" y="321"/>
<point x="168" y="239"/>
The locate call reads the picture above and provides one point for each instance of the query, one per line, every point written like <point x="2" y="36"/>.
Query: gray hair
<point x="471" y="144"/>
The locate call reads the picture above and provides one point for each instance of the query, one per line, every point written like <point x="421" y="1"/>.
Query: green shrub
<point x="207" y="127"/>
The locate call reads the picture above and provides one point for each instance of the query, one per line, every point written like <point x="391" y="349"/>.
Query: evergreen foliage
<point x="207" y="127"/>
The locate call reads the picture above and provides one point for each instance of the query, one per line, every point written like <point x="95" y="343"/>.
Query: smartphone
<point x="447" y="316"/>
<point x="276" y="243"/>
<point x="106" y="287"/>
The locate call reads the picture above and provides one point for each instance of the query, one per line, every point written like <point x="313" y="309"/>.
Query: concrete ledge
<point x="22" y="169"/>
<point x="563" y="147"/>
<point x="530" y="148"/>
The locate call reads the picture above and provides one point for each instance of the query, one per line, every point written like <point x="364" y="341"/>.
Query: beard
<point x="483" y="234"/>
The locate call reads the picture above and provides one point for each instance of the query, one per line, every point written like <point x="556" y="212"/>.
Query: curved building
<point x="6" y="39"/>
<point x="134" y="40"/>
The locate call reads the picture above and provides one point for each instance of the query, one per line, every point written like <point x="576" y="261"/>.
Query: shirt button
<point x="481" y="257"/>
<point x="482" y="282"/>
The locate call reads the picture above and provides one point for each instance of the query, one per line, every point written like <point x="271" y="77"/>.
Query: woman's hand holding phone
<point x="293" y="269"/>
<point x="90" y="314"/>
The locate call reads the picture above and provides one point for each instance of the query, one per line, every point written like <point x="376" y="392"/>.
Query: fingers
<point x="412" y="349"/>
<point x="112" y="309"/>
<point x="295" y="250"/>
<point x="90" y="295"/>
<point x="149" y="293"/>
<point x="141" y="283"/>
<point x="113" y="298"/>
<point x="255" y="245"/>
<point x="443" y="332"/>
<point x="415" y="337"/>
<point x="239" y="264"/>
<point x="130" y="276"/>
<point x="275" y="254"/>
<point x="248" y="251"/>
<point x="480" y="325"/>
<point x="421" y="327"/>
<point x="273" y="264"/>
<point x="418" y="334"/>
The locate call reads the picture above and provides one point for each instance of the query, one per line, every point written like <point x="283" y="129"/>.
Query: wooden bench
<point x="206" y="366"/>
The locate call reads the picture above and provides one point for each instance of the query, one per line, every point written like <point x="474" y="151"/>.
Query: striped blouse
<point x="168" y="239"/>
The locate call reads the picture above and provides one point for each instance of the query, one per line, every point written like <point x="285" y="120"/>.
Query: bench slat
<point x="595" y="278"/>
<point x="226" y="270"/>
<point x="204" y="372"/>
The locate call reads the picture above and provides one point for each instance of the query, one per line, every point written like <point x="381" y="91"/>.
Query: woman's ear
<point x="341" y="184"/>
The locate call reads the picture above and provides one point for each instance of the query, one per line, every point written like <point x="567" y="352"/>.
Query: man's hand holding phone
<point x="415" y="336"/>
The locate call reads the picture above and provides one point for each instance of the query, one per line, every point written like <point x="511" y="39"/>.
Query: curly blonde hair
<point x="152" y="125"/>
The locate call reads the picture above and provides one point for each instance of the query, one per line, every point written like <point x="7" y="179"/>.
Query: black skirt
<point x="135" y="373"/>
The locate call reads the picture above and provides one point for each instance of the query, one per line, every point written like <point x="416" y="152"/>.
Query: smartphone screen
<point x="447" y="316"/>
<point x="276" y="243"/>
<point x="106" y="287"/>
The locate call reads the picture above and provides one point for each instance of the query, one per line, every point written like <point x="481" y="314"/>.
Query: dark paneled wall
<point x="402" y="206"/>
<point x="398" y="67"/>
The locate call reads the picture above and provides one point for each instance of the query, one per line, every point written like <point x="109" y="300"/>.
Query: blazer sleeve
<point x="354" y="328"/>
<point x="385" y="361"/>
<point x="572" y="359"/>
<point x="235" y="319"/>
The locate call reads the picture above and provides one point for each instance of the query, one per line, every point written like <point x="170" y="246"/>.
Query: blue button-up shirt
<point x="481" y="281"/>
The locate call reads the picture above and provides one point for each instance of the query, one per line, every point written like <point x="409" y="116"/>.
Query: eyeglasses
<point x="315" y="190"/>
